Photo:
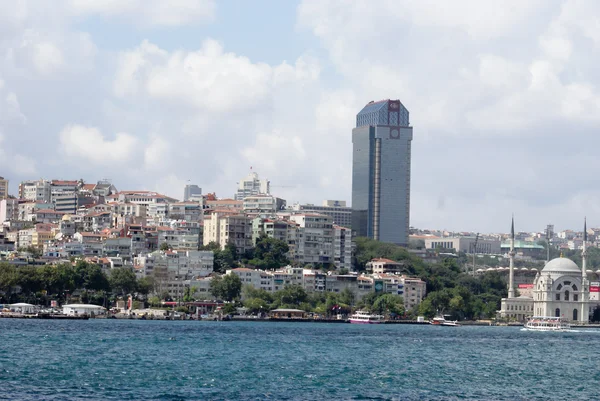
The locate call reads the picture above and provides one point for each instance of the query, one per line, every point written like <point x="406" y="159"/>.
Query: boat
<point x="547" y="323"/>
<point x="440" y="320"/>
<point x="364" y="317"/>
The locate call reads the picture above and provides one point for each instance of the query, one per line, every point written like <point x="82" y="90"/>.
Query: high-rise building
<point x="191" y="191"/>
<point x="381" y="145"/>
<point x="251" y="186"/>
<point x="3" y="188"/>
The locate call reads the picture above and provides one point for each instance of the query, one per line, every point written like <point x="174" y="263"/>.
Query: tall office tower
<point x="191" y="191"/>
<point x="381" y="145"/>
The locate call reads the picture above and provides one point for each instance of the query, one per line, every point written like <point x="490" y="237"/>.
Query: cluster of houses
<point x="51" y="221"/>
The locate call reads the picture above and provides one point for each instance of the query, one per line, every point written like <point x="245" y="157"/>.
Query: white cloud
<point x="89" y="144"/>
<point x="209" y="79"/>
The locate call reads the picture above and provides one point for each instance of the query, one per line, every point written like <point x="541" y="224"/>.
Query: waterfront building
<point x="191" y="191"/>
<point x="560" y="289"/>
<point x="252" y="185"/>
<point x="3" y="188"/>
<point x="258" y="279"/>
<point x="336" y="209"/>
<point x="381" y="162"/>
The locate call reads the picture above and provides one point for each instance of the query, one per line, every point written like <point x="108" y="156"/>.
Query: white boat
<point x="364" y="317"/>
<point x="547" y="323"/>
<point x="441" y="321"/>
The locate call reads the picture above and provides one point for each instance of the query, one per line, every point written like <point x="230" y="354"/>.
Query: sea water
<point x="197" y="360"/>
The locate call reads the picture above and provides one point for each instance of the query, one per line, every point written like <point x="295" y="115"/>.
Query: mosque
<point x="560" y="289"/>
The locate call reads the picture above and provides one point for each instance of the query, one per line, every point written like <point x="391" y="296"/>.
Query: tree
<point x="8" y="279"/>
<point x="122" y="280"/>
<point x="225" y="259"/>
<point x="165" y="246"/>
<point x="227" y="287"/>
<point x="389" y="304"/>
<point x="90" y="277"/>
<point x="270" y="253"/>
<point x="145" y="285"/>
<point x="292" y="295"/>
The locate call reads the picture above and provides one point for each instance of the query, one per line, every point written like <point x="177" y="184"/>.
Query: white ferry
<point x="546" y="323"/>
<point x="441" y="321"/>
<point x="364" y="317"/>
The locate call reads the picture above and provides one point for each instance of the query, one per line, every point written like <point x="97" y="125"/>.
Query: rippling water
<point x="190" y="360"/>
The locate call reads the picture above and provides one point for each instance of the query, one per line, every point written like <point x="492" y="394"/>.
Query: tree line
<point x="62" y="282"/>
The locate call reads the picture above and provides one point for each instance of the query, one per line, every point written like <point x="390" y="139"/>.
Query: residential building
<point x="263" y="205"/>
<point x="5" y="244"/>
<point x="9" y="210"/>
<point x="381" y="172"/>
<point x="145" y="198"/>
<point x="224" y="204"/>
<point x="191" y="191"/>
<point x="258" y="279"/>
<point x="226" y="227"/>
<point x="337" y="210"/>
<point x="315" y="241"/>
<point x="383" y="265"/>
<point x="272" y="228"/>
<point x="252" y="185"/>
<point x="37" y="191"/>
<point x="187" y="211"/>
<point x="342" y="247"/>
<point x="3" y="188"/>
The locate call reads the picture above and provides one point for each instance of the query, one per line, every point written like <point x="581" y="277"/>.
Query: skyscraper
<point x="381" y="145"/>
<point x="191" y="191"/>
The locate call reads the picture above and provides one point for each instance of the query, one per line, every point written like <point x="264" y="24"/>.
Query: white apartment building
<point x="223" y="228"/>
<point x="315" y="239"/>
<point x="263" y="205"/>
<point x="256" y="278"/>
<point x="9" y="210"/>
<point x="336" y="209"/>
<point x="37" y="191"/>
<point x="252" y="185"/>
<point x="342" y="247"/>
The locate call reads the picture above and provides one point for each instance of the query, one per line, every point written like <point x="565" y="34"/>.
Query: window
<point x="575" y="297"/>
<point x="559" y="287"/>
<point x="557" y="312"/>
<point x="574" y="314"/>
<point x="574" y="287"/>
<point x="558" y="297"/>
<point x="566" y="295"/>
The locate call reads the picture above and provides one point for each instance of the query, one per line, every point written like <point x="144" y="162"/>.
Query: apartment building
<point x="315" y="240"/>
<point x="340" y="214"/>
<point x="226" y="227"/>
<point x="342" y="247"/>
<point x="263" y="205"/>
<point x="3" y="188"/>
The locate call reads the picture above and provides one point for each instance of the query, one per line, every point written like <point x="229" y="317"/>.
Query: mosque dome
<point x="561" y="265"/>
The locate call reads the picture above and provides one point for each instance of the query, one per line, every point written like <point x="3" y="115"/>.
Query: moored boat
<point x="441" y="321"/>
<point x="364" y="317"/>
<point x="547" y="323"/>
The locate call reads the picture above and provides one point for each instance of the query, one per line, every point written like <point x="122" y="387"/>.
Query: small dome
<point x="66" y="217"/>
<point x="561" y="265"/>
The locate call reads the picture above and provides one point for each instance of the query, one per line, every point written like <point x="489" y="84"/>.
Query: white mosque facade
<point x="560" y="289"/>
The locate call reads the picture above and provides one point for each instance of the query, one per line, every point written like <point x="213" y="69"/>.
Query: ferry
<point x="364" y="317"/>
<point x="441" y="321"/>
<point x="546" y="323"/>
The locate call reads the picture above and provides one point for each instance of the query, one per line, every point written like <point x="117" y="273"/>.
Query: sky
<point x="504" y="99"/>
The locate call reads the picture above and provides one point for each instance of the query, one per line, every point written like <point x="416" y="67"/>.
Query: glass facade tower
<point x="381" y="145"/>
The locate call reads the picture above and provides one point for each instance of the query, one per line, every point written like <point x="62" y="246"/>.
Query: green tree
<point x="90" y="276"/>
<point x="292" y="296"/>
<point x="227" y="287"/>
<point x="145" y="285"/>
<point x="256" y="305"/>
<point x="122" y="281"/>
<point x="8" y="279"/>
<point x="270" y="253"/>
<point x="165" y="246"/>
<point x="389" y="304"/>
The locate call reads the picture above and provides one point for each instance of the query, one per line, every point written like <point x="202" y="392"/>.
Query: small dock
<point x="46" y="316"/>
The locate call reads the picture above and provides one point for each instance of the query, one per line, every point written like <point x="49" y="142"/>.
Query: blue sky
<point x="504" y="99"/>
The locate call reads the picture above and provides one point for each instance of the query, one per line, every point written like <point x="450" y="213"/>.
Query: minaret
<point x="511" y="254"/>
<point x="583" y="271"/>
